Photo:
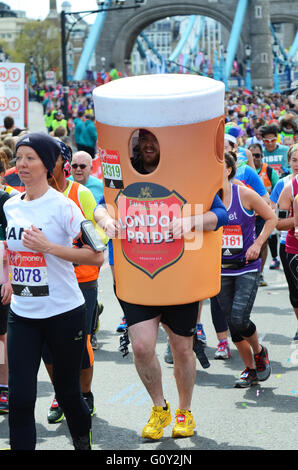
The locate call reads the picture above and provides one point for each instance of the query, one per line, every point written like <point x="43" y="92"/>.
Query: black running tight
<point x="66" y="336"/>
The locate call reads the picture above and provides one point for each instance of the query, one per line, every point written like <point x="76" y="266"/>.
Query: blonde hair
<point x="291" y="150"/>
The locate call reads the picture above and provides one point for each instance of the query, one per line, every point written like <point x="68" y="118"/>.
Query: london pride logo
<point x="145" y="212"/>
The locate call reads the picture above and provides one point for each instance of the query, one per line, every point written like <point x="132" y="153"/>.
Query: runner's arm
<point x="34" y="239"/>
<point x="211" y="220"/>
<point x="252" y="201"/>
<point x="105" y="221"/>
<point x="284" y="203"/>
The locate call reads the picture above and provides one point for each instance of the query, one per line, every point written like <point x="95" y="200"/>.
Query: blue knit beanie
<point x="44" y="145"/>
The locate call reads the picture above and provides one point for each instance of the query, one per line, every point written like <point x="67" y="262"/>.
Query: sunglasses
<point x="82" y="166"/>
<point x="270" y="140"/>
<point x="257" y="155"/>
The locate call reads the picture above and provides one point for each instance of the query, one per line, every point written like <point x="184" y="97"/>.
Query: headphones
<point x="66" y="168"/>
<point x="66" y="153"/>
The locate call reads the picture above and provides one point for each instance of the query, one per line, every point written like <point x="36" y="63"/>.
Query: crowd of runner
<point x="260" y="187"/>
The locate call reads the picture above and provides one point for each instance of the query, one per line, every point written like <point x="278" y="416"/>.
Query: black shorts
<point x="4" y="309"/>
<point x="181" y="319"/>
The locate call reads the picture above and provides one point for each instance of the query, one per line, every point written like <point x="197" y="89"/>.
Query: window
<point x="258" y="12"/>
<point x="264" y="58"/>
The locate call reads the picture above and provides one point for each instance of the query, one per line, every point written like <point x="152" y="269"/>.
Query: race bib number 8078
<point x="29" y="274"/>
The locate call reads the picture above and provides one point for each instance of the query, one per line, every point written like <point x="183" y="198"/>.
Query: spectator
<point x="79" y="131"/>
<point x="81" y="166"/>
<point x="10" y="142"/>
<point x="90" y="136"/>
<point x="59" y="121"/>
<point x="9" y="153"/>
<point x="60" y="131"/>
<point x="8" y="125"/>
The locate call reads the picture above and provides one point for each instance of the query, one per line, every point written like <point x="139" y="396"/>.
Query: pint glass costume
<point x="185" y="113"/>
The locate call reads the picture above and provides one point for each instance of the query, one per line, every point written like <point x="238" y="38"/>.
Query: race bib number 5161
<point x="29" y="274"/>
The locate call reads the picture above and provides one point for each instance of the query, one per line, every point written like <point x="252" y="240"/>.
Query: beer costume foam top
<point x="186" y="115"/>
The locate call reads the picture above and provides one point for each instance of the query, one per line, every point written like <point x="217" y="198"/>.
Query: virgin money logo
<point x="146" y="211"/>
<point x="15" y="258"/>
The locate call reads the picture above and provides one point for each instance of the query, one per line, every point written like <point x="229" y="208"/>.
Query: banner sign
<point x="12" y="93"/>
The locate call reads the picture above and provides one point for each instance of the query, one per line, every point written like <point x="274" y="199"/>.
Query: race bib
<point x="232" y="240"/>
<point x="110" y="163"/>
<point x="28" y="273"/>
<point x="278" y="168"/>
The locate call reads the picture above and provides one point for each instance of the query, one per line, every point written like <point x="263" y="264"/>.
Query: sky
<point x="39" y="9"/>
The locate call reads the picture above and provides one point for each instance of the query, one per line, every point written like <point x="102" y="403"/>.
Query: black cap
<point x="44" y="145"/>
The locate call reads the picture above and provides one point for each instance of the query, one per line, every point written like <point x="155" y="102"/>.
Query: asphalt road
<point x="260" y="418"/>
<point x="263" y="417"/>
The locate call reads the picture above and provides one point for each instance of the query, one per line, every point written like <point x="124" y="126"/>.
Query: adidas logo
<point x="26" y="292"/>
<point x="112" y="184"/>
<point x="26" y="140"/>
<point x="227" y="252"/>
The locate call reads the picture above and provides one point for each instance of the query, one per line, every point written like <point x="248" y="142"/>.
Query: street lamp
<point x="248" y="75"/>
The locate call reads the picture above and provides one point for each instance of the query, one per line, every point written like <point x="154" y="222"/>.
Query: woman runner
<point x="47" y="304"/>
<point x="240" y="274"/>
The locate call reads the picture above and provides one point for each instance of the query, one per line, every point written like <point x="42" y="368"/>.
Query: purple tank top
<point x="238" y="236"/>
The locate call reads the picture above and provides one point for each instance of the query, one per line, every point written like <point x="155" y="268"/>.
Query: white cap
<point x="159" y="100"/>
<point x="230" y="138"/>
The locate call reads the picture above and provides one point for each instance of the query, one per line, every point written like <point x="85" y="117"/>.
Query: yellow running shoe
<point x="159" y="419"/>
<point x="184" y="424"/>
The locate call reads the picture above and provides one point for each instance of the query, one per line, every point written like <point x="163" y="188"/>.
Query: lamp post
<point x="32" y="76"/>
<point x="275" y="49"/>
<point x="248" y="85"/>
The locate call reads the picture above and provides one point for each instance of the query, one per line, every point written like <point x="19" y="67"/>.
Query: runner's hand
<point x="253" y="252"/>
<point x="180" y="226"/>
<point x="112" y="228"/>
<point x="35" y="240"/>
<point x="6" y="291"/>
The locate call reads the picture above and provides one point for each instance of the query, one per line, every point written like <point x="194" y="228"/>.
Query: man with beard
<point x="179" y="321"/>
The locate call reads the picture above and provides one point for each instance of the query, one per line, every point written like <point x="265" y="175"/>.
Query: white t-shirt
<point x="43" y="285"/>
